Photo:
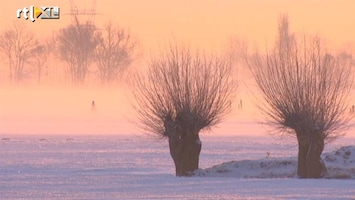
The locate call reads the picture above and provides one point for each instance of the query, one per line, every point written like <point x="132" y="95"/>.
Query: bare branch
<point x="76" y="45"/>
<point x="114" y="53"/>
<point x="16" y="45"/>
<point x="194" y="89"/>
<point x="305" y="87"/>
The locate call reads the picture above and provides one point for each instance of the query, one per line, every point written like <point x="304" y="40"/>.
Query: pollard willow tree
<point x="305" y="89"/>
<point x="181" y="95"/>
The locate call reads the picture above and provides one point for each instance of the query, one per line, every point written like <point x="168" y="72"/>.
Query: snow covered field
<point x="137" y="167"/>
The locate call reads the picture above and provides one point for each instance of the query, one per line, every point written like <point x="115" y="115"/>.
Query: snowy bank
<point x="340" y="165"/>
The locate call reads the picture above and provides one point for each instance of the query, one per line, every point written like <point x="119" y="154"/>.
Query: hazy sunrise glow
<point x="57" y="107"/>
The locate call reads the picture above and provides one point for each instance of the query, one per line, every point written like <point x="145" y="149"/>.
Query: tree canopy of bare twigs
<point x="16" y="45"/>
<point x="114" y="53"/>
<point x="196" y="87"/>
<point x="41" y="56"/>
<point x="305" y="88"/>
<point x="76" y="44"/>
<point x="181" y="94"/>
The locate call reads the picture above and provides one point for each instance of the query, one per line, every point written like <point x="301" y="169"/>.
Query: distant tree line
<point x="78" y="46"/>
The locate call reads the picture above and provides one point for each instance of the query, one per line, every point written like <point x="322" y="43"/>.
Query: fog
<point x="67" y="110"/>
<point x="64" y="110"/>
<point x="59" y="110"/>
<point x="209" y="25"/>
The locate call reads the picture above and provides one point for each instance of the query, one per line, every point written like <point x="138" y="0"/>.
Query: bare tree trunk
<point x="302" y="157"/>
<point x="175" y="143"/>
<point x="185" y="152"/>
<point x="315" y="164"/>
<point x="11" y="78"/>
<point x="191" y="152"/>
<point x="39" y="74"/>
<point x="185" y="147"/>
<point x="310" y="163"/>
<point x="175" y="146"/>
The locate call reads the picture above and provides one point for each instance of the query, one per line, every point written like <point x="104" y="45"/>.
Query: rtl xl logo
<point x="34" y="12"/>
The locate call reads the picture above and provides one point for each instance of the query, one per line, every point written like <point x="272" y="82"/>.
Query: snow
<point x="340" y="164"/>
<point x="138" y="167"/>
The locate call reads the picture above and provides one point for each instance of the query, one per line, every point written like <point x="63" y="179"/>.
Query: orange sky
<point x="207" y="24"/>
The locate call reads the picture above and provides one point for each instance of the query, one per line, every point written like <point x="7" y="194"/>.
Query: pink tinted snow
<point x="340" y="165"/>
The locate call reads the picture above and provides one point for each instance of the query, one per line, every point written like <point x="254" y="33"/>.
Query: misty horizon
<point x="42" y="106"/>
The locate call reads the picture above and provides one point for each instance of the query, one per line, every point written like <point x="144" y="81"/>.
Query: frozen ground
<point x="135" y="167"/>
<point x="340" y="165"/>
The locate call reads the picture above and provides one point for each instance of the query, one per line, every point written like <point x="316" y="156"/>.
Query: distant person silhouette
<point x="93" y="106"/>
<point x="240" y="105"/>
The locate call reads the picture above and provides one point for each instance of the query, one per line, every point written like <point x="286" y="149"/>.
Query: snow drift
<point x="340" y="165"/>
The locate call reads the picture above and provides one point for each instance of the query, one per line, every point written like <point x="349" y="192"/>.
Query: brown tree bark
<point x="310" y="163"/>
<point x="186" y="154"/>
<point x="315" y="164"/>
<point x="302" y="157"/>
<point x="185" y="147"/>
<point x="190" y="153"/>
<point x="176" y="147"/>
